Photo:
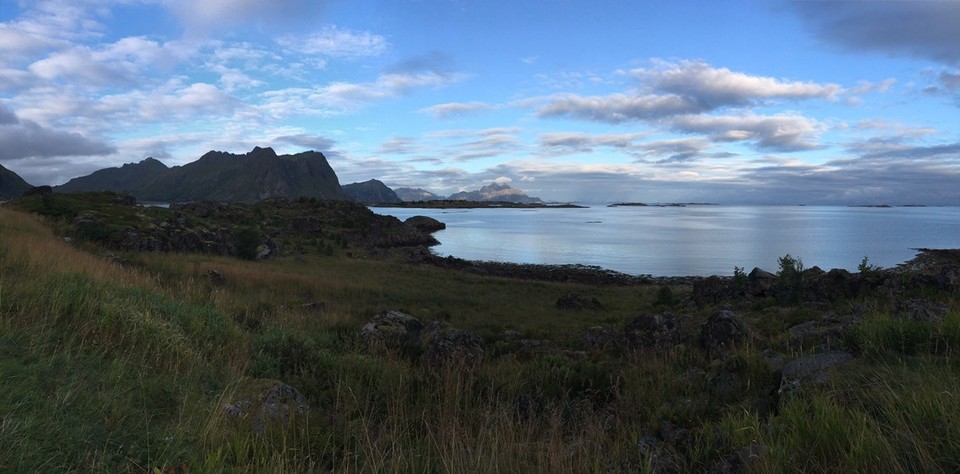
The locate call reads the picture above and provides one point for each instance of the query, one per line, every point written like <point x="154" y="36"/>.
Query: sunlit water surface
<point x="693" y="240"/>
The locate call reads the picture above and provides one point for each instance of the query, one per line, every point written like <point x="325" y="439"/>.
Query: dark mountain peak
<point x="11" y="184"/>
<point x="219" y="176"/>
<point x="146" y="163"/>
<point x="370" y="191"/>
<point x="258" y="152"/>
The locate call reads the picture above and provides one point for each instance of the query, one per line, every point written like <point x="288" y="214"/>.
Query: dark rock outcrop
<point x="438" y="342"/>
<point x="920" y="310"/>
<point x="443" y="344"/>
<point x="392" y="326"/>
<point x="653" y="331"/>
<point x="722" y="332"/>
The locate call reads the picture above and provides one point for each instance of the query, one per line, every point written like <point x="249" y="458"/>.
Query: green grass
<point x="110" y="368"/>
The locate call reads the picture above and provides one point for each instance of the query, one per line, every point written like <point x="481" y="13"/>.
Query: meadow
<point x="129" y="364"/>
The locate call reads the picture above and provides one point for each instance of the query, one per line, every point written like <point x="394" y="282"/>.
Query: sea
<point x="692" y="240"/>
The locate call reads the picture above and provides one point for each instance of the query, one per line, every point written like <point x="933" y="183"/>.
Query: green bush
<point x="246" y="242"/>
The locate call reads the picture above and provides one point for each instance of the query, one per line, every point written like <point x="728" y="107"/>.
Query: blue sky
<point x="816" y="102"/>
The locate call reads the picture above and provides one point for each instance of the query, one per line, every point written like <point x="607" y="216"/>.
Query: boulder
<point x="442" y="344"/>
<point x="920" y="310"/>
<point x="710" y="290"/>
<point x="577" y="302"/>
<point x="216" y="277"/>
<point x="760" y="282"/>
<point x="273" y="404"/>
<point x="722" y="332"/>
<point x="601" y="338"/>
<point x="657" y="331"/>
<point x="392" y="326"/>
<point x="810" y="369"/>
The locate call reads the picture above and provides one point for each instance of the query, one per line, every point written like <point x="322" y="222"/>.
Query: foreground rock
<point x="811" y="369"/>
<point x="271" y="404"/>
<point x="438" y="342"/>
<point x="722" y="332"/>
<point x="653" y="331"/>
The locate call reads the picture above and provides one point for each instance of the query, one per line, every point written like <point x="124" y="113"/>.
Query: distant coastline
<point x="456" y="204"/>
<point x="661" y="204"/>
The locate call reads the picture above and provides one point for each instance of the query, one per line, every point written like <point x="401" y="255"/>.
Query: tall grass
<point x="110" y="368"/>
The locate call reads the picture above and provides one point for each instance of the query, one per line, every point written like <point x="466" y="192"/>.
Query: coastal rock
<point x="425" y="224"/>
<point x="276" y="404"/>
<point x="577" y="302"/>
<point x="722" y="332"/>
<point x="656" y="331"/>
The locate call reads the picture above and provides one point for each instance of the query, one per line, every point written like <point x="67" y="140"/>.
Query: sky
<point x="740" y="102"/>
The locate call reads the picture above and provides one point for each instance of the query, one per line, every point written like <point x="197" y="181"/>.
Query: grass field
<point x="127" y="368"/>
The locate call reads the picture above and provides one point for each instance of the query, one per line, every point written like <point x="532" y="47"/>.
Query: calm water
<point x="696" y="240"/>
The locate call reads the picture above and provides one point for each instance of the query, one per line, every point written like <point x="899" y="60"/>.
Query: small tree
<point x="790" y="279"/>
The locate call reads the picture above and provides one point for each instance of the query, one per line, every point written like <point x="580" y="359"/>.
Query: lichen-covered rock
<point x="601" y="338"/>
<point x="268" y="403"/>
<point x="722" y="332"/>
<point x="442" y="344"/>
<point x="810" y="369"/>
<point x="920" y="310"/>
<point x="392" y="326"/>
<point x="656" y="331"/>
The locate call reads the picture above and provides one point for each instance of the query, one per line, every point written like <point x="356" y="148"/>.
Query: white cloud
<point x="712" y="87"/>
<point x="616" y="108"/>
<point x="455" y="109"/>
<point x="785" y="132"/>
<point x="337" y="42"/>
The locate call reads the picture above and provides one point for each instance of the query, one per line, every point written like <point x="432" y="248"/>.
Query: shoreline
<point x="926" y="260"/>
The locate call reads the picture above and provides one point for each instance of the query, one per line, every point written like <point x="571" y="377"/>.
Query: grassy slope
<point x="109" y="368"/>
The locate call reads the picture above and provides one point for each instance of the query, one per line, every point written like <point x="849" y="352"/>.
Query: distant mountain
<point x="416" y="194"/>
<point x="11" y="185"/>
<point x="495" y="192"/>
<point x="370" y="192"/>
<point x="130" y="178"/>
<point x="220" y="176"/>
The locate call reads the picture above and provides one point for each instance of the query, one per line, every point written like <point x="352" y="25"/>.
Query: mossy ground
<point x="110" y="368"/>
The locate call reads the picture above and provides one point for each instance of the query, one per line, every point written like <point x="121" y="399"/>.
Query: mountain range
<point x="11" y="185"/>
<point x="219" y="176"/>
<point x="250" y="177"/>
